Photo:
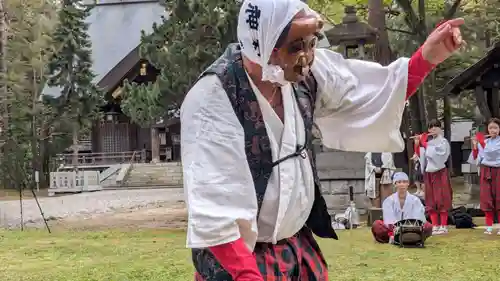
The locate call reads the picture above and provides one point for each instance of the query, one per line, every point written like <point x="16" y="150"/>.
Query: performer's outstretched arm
<point x="418" y="69"/>
<point x="360" y="104"/>
<point x="360" y="100"/>
<point x="220" y="195"/>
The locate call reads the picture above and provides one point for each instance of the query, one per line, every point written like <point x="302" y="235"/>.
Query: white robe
<point x="412" y="209"/>
<point x="434" y="157"/>
<point x="387" y="163"/>
<point x="356" y="101"/>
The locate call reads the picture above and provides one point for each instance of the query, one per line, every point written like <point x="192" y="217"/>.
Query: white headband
<point x="260" y="24"/>
<point x="399" y="176"/>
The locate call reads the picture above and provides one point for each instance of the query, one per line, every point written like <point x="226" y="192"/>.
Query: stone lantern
<point x="351" y="34"/>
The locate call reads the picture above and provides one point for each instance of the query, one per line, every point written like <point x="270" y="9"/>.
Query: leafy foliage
<point x="70" y="67"/>
<point x="30" y="25"/>
<point x="181" y="47"/>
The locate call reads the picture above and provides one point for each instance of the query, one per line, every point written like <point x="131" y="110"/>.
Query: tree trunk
<point x="447" y="128"/>
<point x="376" y="19"/>
<point x="4" y="122"/>
<point x="34" y="150"/>
<point x="430" y="97"/>
<point x="75" y="146"/>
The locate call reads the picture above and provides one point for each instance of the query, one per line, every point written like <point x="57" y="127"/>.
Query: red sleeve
<point x="475" y="152"/>
<point x="416" y="149"/>
<point x="423" y="139"/>
<point x="418" y="69"/>
<point x="237" y="260"/>
<point x="481" y="139"/>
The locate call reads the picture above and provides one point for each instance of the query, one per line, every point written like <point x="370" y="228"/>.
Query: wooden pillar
<point x="155" y="145"/>
<point x="495" y="101"/>
<point x="482" y="104"/>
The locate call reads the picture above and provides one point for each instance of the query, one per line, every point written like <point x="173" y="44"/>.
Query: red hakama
<point x="438" y="192"/>
<point x="489" y="188"/>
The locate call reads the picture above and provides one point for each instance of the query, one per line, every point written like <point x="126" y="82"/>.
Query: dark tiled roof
<point x="468" y="78"/>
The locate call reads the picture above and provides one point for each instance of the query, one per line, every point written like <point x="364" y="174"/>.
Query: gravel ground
<point x="85" y="205"/>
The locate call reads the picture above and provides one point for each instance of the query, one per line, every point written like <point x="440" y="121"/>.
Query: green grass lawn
<point x="160" y="255"/>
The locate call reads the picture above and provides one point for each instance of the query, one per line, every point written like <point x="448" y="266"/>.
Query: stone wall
<point x="337" y="171"/>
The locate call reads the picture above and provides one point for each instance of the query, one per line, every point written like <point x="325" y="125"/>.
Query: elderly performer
<point x="399" y="206"/>
<point x="252" y="191"/>
<point x="379" y="168"/>
<point x="434" y="151"/>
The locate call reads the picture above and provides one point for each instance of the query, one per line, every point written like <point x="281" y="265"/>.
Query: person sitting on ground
<point x="399" y="206"/>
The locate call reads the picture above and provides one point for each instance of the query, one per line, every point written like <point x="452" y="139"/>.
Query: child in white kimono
<point x="434" y="151"/>
<point x="400" y="205"/>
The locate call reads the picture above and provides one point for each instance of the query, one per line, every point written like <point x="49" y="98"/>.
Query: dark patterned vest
<point x="377" y="159"/>
<point x="229" y="69"/>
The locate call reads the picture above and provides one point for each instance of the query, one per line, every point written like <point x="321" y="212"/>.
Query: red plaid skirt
<point x="299" y="258"/>
<point x="489" y="183"/>
<point x="438" y="192"/>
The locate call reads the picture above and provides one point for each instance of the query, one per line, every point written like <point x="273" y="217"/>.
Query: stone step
<point x="160" y="174"/>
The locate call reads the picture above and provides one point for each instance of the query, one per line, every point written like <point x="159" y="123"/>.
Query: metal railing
<point x="103" y="158"/>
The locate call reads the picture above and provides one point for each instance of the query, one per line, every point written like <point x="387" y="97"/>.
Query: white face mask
<point x="274" y="74"/>
<point x="260" y="23"/>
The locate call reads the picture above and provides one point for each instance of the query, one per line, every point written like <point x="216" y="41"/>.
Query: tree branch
<point x="452" y="10"/>
<point x="400" y="31"/>
<point x="392" y="12"/>
<point x="411" y="18"/>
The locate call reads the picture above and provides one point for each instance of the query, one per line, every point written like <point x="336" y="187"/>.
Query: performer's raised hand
<point x="443" y="41"/>
<point x="474" y="142"/>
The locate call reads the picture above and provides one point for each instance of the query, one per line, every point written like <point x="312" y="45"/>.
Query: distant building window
<point x="163" y="138"/>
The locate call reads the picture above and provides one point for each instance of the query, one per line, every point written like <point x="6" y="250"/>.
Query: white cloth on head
<point x="392" y="211"/>
<point x="399" y="176"/>
<point x="260" y="24"/>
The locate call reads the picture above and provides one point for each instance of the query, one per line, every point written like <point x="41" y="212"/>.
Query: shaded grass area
<point x="152" y="255"/>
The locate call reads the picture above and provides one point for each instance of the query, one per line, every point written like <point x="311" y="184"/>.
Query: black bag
<point x="460" y="218"/>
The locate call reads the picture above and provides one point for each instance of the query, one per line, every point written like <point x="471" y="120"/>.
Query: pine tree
<point x="70" y="69"/>
<point x="194" y="35"/>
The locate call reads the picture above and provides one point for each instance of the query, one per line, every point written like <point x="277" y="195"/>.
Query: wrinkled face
<point x="493" y="129"/>
<point x="402" y="186"/>
<point x="295" y="50"/>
